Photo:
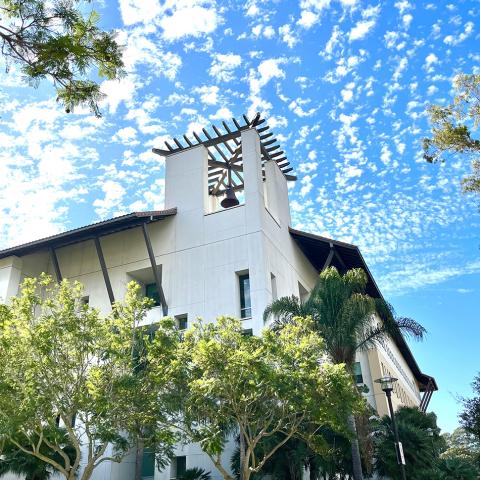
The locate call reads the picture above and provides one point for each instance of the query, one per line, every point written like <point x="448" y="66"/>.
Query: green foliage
<point x="15" y="461"/>
<point x="55" y="40"/>
<point x="195" y="474"/>
<point x="421" y="442"/>
<point x="470" y="416"/>
<point x="456" y="469"/>
<point x="461" y="444"/>
<point x="342" y="314"/>
<point x="453" y="127"/>
<point x="62" y="359"/>
<point x="274" y="383"/>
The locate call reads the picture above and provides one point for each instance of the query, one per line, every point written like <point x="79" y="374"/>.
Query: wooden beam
<point x="264" y="152"/>
<point x="103" y="266"/>
<point x="56" y="267"/>
<point x="157" y="269"/>
<point x="339" y="258"/>
<point x="328" y="261"/>
<point x="216" y="163"/>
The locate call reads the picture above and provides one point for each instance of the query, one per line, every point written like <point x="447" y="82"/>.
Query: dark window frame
<point x="357" y="373"/>
<point x="151" y="291"/>
<point x="245" y="297"/>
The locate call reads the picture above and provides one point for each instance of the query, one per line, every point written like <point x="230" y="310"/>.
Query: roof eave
<point x="401" y="343"/>
<point x="105" y="227"/>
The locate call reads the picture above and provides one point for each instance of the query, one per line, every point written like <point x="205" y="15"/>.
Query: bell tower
<point x="227" y="165"/>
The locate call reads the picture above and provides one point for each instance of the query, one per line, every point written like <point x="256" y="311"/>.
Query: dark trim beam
<point x="207" y="143"/>
<point x="56" y="267"/>
<point x="328" y="261"/>
<point x="103" y="266"/>
<point x="157" y="269"/>
<point x="340" y="259"/>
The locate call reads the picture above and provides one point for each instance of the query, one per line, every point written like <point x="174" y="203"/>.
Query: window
<point x="247" y="332"/>
<point x="273" y="281"/>
<point x="181" y="321"/>
<point x="179" y="465"/>
<point x="148" y="464"/>
<point x="245" y="305"/>
<point x="357" y="372"/>
<point x="85" y="300"/>
<point x="152" y="292"/>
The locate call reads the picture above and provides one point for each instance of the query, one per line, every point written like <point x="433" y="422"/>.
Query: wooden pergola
<point x="225" y="152"/>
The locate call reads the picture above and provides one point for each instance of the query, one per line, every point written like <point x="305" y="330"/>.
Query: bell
<point x="230" y="199"/>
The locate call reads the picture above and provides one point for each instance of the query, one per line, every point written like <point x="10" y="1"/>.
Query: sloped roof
<point x="105" y="227"/>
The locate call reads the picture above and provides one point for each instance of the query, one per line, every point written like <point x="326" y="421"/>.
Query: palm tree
<point x="344" y="315"/>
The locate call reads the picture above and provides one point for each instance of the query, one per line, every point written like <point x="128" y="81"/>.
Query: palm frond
<point x="411" y="328"/>
<point x="284" y="309"/>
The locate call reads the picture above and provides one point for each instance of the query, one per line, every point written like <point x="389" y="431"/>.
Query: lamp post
<point x="386" y="384"/>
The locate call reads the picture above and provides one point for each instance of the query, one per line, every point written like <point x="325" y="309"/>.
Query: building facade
<point x="201" y="260"/>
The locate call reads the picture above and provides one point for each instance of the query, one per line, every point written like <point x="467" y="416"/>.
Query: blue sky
<point x="344" y="84"/>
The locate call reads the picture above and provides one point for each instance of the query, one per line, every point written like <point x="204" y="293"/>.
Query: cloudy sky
<point x="343" y="83"/>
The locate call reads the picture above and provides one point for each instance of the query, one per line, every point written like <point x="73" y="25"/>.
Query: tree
<point x="16" y="461"/>
<point x="258" y="386"/>
<point x="463" y="445"/>
<point x="342" y="314"/>
<point x="421" y="440"/>
<point x="55" y="40"/>
<point x="456" y="468"/>
<point x="453" y="126"/>
<point x="470" y="416"/>
<point x="62" y="361"/>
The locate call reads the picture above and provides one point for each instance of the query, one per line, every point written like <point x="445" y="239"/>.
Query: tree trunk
<point x="242" y="457"/>
<point x="356" y="460"/>
<point x="139" y="458"/>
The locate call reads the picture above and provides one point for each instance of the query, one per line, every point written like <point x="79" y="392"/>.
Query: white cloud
<point x="361" y="29"/>
<point x="176" y="18"/>
<point x="403" y="6"/>
<point x="224" y="65"/>
<point x="347" y="92"/>
<point x="183" y="18"/>
<point x="308" y="19"/>
<point x="208" y="94"/>
<point x="222" y="114"/>
<point x="269" y="69"/>
<point x="455" y="40"/>
<point x="133" y="11"/>
<point x="287" y="35"/>
<point x="127" y="136"/>
<point x="430" y="59"/>
<point x="407" y="20"/>
<point x="118" y="91"/>
<point x="113" y="196"/>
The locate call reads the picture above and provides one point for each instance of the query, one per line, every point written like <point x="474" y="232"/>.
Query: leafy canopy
<point x="470" y="416"/>
<point x="454" y="126"/>
<point x="63" y="361"/>
<point x="343" y="314"/>
<point x="421" y="442"/>
<point x="56" y="40"/>
<point x="276" y="383"/>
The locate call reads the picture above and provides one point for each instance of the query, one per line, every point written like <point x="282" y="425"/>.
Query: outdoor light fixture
<point x="230" y="199"/>
<point x="386" y="384"/>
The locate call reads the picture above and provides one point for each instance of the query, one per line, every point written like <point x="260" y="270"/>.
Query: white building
<point x="206" y="260"/>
